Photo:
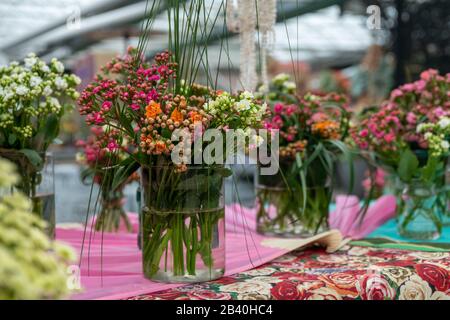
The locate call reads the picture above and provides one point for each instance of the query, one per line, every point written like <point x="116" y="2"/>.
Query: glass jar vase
<point x="419" y="209"/>
<point x="182" y="223"/>
<point x="286" y="209"/>
<point x="446" y="212"/>
<point x="37" y="183"/>
<point x="112" y="213"/>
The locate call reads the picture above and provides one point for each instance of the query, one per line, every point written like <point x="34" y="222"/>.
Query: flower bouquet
<point x="31" y="97"/>
<point x="311" y="131"/>
<point x="101" y="154"/>
<point x="409" y="137"/>
<point x="182" y="219"/>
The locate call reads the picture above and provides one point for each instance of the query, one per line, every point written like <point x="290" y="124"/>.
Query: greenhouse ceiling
<point x="314" y="29"/>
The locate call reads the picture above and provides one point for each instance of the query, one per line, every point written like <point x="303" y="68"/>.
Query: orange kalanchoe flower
<point x="196" y="117"/>
<point x="327" y="129"/>
<point x="176" y="115"/>
<point x="160" y="146"/>
<point x="152" y="110"/>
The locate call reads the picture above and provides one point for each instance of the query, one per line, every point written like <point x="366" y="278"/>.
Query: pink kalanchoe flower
<point x="389" y="137"/>
<point x="267" y="125"/>
<point x="411" y="118"/>
<point x="428" y="74"/>
<point x="106" y="105"/>
<point x="291" y="109"/>
<point x="364" y="145"/>
<point x="152" y="95"/>
<point x="80" y="143"/>
<point x="135" y="107"/>
<point x="409" y="87"/>
<point x="112" y="145"/>
<point x="420" y="85"/>
<point x="97" y="131"/>
<point x="97" y="118"/>
<point x="163" y="69"/>
<point x="278" y="108"/>
<point x="363" y="133"/>
<point x="154" y="77"/>
<point x="396" y="93"/>
<point x="439" y="112"/>
<point x="277" y="122"/>
<point x="319" y="117"/>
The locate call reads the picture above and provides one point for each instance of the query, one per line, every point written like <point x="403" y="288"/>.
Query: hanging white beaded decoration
<point x="243" y="16"/>
<point x="267" y="16"/>
<point x="246" y="24"/>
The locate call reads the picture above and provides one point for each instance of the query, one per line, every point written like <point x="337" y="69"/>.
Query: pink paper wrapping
<point x="111" y="263"/>
<point x="346" y="216"/>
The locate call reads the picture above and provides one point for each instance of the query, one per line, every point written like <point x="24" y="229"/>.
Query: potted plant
<point x="409" y="137"/>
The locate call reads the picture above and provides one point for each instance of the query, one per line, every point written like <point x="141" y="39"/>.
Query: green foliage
<point x="408" y="165"/>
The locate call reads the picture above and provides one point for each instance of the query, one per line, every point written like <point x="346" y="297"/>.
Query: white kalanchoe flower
<point x="445" y="145"/>
<point x="21" y="76"/>
<point x="8" y="95"/>
<point x="263" y="88"/>
<point x="21" y="90"/>
<point x="60" y="83"/>
<point x="444" y="122"/>
<point x="428" y="135"/>
<point x="243" y="105"/>
<point x="44" y="68"/>
<point x="247" y="95"/>
<point x="257" y="140"/>
<point x="35" y="81"/>
<point x="55" y="102"/>
<point x="80" y="157"/>
<point x="7" y="178"/>
<point x="30" y="61"/>
<point x="420" y="128"/>
<point x="290" y="85"/>
<point x="47" y="91"/>
<point x="76" y="79"/>
<point x="282" y="77"/>
<point x="59" y="67"/>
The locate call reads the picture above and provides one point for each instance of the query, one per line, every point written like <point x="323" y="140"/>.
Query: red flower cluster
<point x="310" y="119"/>
<point x="99" y="146"/>
<point x="101" y="150"/>
<point x="387" y="129"/>
<point x="137" y="84"/>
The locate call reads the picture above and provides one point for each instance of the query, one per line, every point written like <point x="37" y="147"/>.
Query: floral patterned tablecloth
<point x="354" y="272"/>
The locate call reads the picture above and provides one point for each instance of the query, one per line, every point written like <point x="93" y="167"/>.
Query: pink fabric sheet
<point x="111" y="263"/>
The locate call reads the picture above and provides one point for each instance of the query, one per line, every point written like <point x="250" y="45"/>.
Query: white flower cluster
<point x="32" y="266"/>
<point x="235" y="112"/>
<point x="437" y="136"/>
<point x="284" y="83"/>
<point x="34" y="88"/>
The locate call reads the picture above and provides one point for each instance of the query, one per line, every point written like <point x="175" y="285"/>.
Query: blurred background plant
<point x="32" y="266"/>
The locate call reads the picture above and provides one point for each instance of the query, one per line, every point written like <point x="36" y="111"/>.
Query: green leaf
<point x="51" y="128"/>
<point x="302" y="174"/>
<point x="125" y="169"/>
<point x="224" y="172"/>
<point x="198" y="182"/>
<point x="407" y="166"/>
<point x="34" y="158"/>
<point x="348" y="154"/>
<point x="12" y="138"/>
<point x="166" y="133"/>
